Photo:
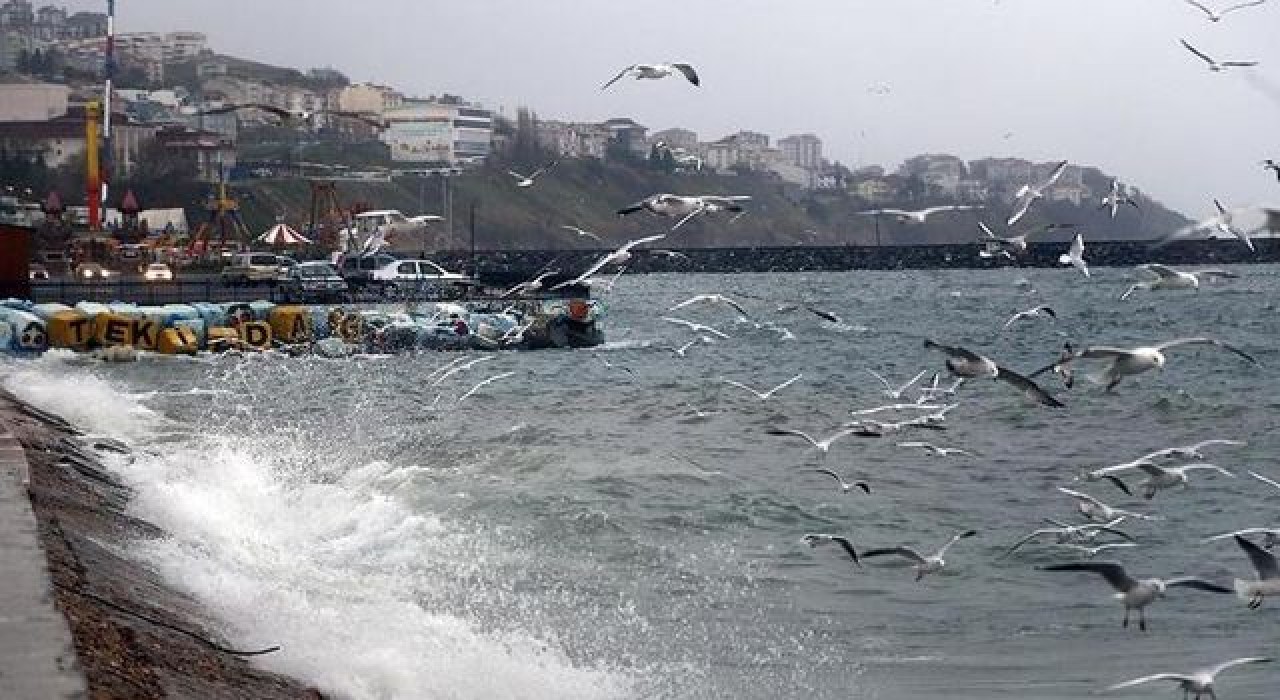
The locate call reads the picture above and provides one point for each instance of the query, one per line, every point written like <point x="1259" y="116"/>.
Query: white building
<point x="428" y="131"/>
<point x="23" y="102"/>
<point x="802" y="150"/>
<point x="677" y="138"/>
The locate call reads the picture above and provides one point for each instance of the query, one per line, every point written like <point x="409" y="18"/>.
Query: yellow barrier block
<point x="112" y="329"/>
<point x="256" y="334"/>
<point x="292" y="324"/>
<point x="146" y="333"/>
<point x="222" y="338"/>
<point x="69" y="329"/>
<point x="178" y="340"/>
<point x="349" y="327"/>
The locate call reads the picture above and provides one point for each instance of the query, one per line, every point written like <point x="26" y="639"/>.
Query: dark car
<point x="313" y="281"/>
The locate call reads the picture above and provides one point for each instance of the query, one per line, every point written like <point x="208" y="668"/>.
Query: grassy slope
<point x="586" y="194"/>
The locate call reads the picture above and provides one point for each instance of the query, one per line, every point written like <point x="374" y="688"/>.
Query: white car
<point x="158" y="272"/>
<point x="407" y="275"/>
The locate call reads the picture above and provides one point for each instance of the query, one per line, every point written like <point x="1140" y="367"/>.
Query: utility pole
<point x="473" y="237"/>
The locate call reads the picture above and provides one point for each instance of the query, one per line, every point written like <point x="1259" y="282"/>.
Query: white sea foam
<point x="359" y="590"/>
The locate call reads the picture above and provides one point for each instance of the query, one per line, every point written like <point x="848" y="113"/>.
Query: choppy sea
<point x="617" y="523"/>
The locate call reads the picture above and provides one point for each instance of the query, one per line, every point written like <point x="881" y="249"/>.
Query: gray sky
<point x="1098" y="82"/>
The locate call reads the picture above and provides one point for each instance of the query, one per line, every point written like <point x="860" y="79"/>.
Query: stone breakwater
<point x="509" y="267"/>
<point x="135" y="636"/>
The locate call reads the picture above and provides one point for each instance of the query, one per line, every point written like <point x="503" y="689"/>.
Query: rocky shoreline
<point x="135" y="636"/>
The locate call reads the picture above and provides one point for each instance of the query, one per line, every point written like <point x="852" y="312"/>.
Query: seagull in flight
<point x="1197" y="684"/>
<point x="529" y="286"/>
<point x="970" y="365"/>
<point x="1270" y="535"/>
<point x="581" y="232"/>
<point x="1097" y="511"/>
<point x="1075" y="255"/>
<point x="696" y="327"/>
<point x="1093" y="551"/>
<point x="1217" y="16"/>
<point x="527" y="180"/>
<point x="711" y="298"/>
<point x="1273" y="166"/>
<point x="895" y="393"/>
<point x="1269" y="482"/>
<point x="685" y="207"/>
<point x="813" y="540"/>
<point x="1040" y="311"/>
<point x="621" y="256"/>
<point x="1216" y="66"/>
<point x="1160" y="478"/>
<point x="1071" y="534"/>
<point x="1241" y="222"/>
<point x="917" y="216"/>
<point x="1192" y="451"/>
<point x="936" y="450"/>
<point x="1116" y="197"/>
<point x="1169" y="278"/>
<point x="1126" y="362"/>
<point x="923" y="565"/>
<point x="1012" y="246"/>
<point x="845" y="486"/>
<point x="1268" y="582"/>
<point x="655" y="71"/>
<point x="823" y="445"/>
<point x="1137" y="594"/>
<point x="764" y="395"/>
<point x="1029" y="193"/>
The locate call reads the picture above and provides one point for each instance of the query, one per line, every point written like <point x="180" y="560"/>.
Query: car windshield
<point x="321" y="270"/>
<point x="262" y="260"/>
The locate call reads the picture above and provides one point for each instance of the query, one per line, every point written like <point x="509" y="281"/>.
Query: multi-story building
<point x="17" y="13"/>
<point x="677" y="138"/>
<point x="573" y="139"/>
<point x="802" y="150"/>
<point x="368" y="98"/>
<point x="630" y="134"/>
<point x="61" y="140"/>
<point x="434" y="132"/>
<point x="1001" y="172"/>
<point x="32" y="101"/>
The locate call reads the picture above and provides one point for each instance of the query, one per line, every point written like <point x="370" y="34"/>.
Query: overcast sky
<point x="1098" y="82"/>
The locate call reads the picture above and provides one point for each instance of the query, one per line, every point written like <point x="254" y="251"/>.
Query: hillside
<point x="587" y="193"/>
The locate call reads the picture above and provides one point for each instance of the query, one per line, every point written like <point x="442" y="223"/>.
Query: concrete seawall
<point x="500" y="267"/>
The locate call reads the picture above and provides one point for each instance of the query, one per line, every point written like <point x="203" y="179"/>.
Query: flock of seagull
<point x="1101" y="529"/>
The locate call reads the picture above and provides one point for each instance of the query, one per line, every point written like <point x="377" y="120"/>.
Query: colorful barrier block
<point x="177" y="341"/>
<point x="70" y="328"/>
<point x="292" y="324"/>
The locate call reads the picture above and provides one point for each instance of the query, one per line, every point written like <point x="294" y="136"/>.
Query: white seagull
<point x="529" y="286"/>
<point x="1169" y="278"/>
<point x="936" y="450"/>
<point x="1071" y="534"/>
<point x="923" y="565"/>
<point x="621" y="256"/>
<point x="1130" y="361"/>
<point x="1028" y="194"/>
<point x="1268" y="582"/>
<point x="1270" y="535"/>
<point x="1137" y="594"/>
<point x="815" y="539"/>
<point x="1273" y="166"/>
<point x="1217" y="16"/>
<point x="764" y="395"/>
<point x="1097" y="511"/>
<point x="1093" y="551"/>
<point x="917" y="216"/>
<point x="696" y="327"/>
<point x="655" y="71"/>
<point x="581" y="232"/>
<point x="1075" y="255"/>
<point x="1160" y="478"/>
<point x="1216" y="66"/>
<point x="685" y="207"/>
<point x="845" y="486"/>
<point x="1040" y="311"/>
<point x="1241" y="222"/>
<point x="1192" y="451"/>
<point x="970" y="365"/>
<point x="1012" y="246"/>
<point x="823" y="445"/>
<point x="1197" y="684"/>
<point x="711" y="298"/>
<point x="1116" y="197"/>
<point x="1269" y="482"/>
<point x="527" y="180"/>
<point x="892" y="392"/>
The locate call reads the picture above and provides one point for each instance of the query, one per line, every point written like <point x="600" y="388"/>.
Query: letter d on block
<point x="256" y="334"/>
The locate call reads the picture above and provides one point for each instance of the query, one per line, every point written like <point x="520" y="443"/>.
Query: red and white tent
<point x="282" y="234"/>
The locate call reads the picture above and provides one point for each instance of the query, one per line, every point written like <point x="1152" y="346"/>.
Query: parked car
<point x="90" y="272"/>
<point x="420" y="275"/>
<point x="158" y="272"/>
<point x="254" y="268"/>
<point x="358" y="269"/>
<point x="313" y="281"/>
<point x="37" y="273"/>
